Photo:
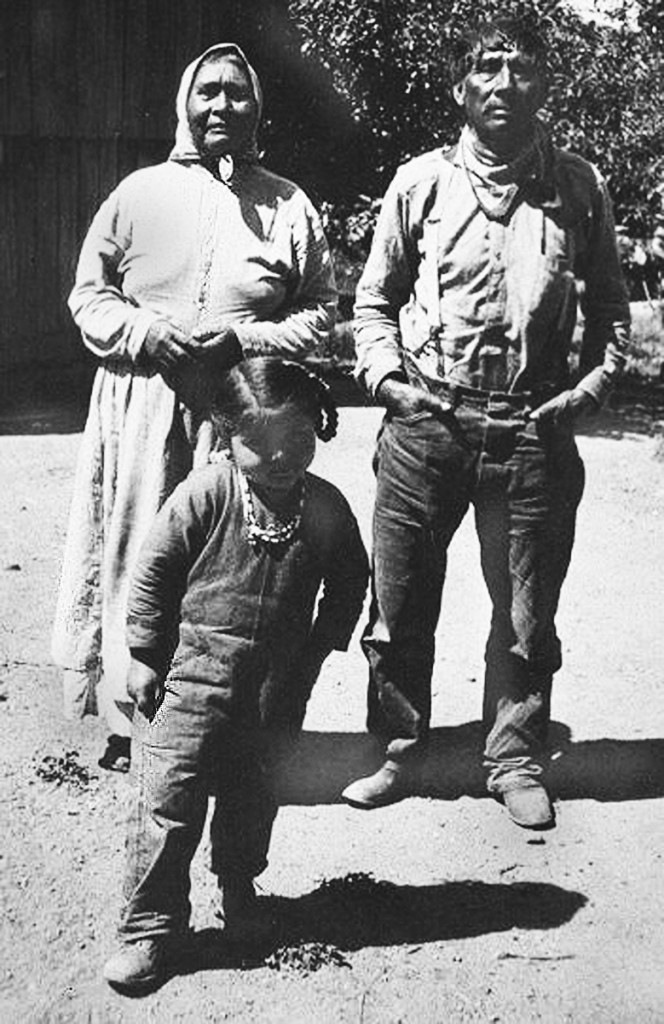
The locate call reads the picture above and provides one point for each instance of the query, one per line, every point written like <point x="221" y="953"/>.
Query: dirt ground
<point x="434" y="910"/>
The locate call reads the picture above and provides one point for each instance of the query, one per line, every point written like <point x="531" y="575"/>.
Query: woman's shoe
<point x="392" y="782"/>
<point x="117" y="756"/>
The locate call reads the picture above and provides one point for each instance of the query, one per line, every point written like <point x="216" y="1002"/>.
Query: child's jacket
<point x="237" y="616"/>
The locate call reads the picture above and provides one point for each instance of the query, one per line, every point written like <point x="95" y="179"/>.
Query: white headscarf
<point x="184" y="150"/>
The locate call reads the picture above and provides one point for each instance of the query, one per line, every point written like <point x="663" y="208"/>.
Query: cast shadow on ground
<point x="605" y="769"/>
<point x="45" y="400"/>
<point x="358" y="911"/>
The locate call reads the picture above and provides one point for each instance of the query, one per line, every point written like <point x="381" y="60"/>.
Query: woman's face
<point x="275" y="451"/>
<point x="221" y="107"/>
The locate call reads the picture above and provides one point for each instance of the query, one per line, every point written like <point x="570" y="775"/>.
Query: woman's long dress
<point x="172" y="242"/>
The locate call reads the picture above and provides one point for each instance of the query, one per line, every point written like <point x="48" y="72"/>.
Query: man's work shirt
<point x="492" y="304"/>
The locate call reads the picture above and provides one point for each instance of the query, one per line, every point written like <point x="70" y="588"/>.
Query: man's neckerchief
<point x="498" y="185"/>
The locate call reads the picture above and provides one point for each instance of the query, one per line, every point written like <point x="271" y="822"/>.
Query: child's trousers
<point x="190" y="750"/>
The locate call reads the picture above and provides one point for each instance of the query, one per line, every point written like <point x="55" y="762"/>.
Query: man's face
<point x="501" y="94"/>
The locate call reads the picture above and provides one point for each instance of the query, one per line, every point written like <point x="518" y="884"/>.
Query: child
<point x="226" y="643"/>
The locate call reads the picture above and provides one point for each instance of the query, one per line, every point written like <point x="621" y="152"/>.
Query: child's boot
<point x="138" y="966"/>
<point x="237" y="905"/>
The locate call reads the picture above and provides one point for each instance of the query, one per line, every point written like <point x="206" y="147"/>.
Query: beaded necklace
<point x="275" y="534"/>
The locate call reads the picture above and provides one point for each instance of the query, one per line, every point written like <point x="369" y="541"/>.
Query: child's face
<point x="274" y="451"/>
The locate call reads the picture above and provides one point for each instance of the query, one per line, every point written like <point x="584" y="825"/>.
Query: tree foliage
<point x="389" y="61"/>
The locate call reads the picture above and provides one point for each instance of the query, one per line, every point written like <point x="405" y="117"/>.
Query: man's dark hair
<point x="520" y="31"/>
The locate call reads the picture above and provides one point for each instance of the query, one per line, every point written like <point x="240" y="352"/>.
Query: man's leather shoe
<point x="528" y="804"/>
<point x="391" y="783"/>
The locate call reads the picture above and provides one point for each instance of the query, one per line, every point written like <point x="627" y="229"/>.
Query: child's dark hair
<point x="519" y="28"/>
<point x="265" y="383"/>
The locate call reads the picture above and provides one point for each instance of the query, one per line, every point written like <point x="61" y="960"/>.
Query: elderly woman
<point x="188" y="266"/>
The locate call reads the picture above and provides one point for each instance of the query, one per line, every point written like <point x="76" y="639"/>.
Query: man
<point x="464" y="318"/>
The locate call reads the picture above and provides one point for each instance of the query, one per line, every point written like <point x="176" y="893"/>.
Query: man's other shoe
<point x="138" y="966"/>
<point x="528" y="804"/>
<point x="391" y="783"/>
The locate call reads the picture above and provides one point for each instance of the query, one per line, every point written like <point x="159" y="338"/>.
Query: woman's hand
<point x="403" y="400"/>
<point x="221" y="341"/>
<point x="213" y="354"/>
<point x="218" y="351"/>
<point x="145" y="686"/>
<point x="169" y="347"/>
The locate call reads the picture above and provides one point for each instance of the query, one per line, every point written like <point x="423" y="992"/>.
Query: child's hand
<point x="145" y="687"/>
<point x="311" y="661"/>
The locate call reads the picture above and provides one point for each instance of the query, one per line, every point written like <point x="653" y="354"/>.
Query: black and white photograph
<point x="332" y="511"/>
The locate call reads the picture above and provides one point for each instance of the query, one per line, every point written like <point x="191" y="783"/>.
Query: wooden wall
<point x="87" y="94"/>
<point x="49" y="190"/>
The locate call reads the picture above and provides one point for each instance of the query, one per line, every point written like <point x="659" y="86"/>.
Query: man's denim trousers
<point x="189" y="751"/>
<point x="525" y="486"/>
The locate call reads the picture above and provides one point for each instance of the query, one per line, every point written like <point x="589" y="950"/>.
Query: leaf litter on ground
<point x="65" y="769"/>
<point x="323" y="925"/>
